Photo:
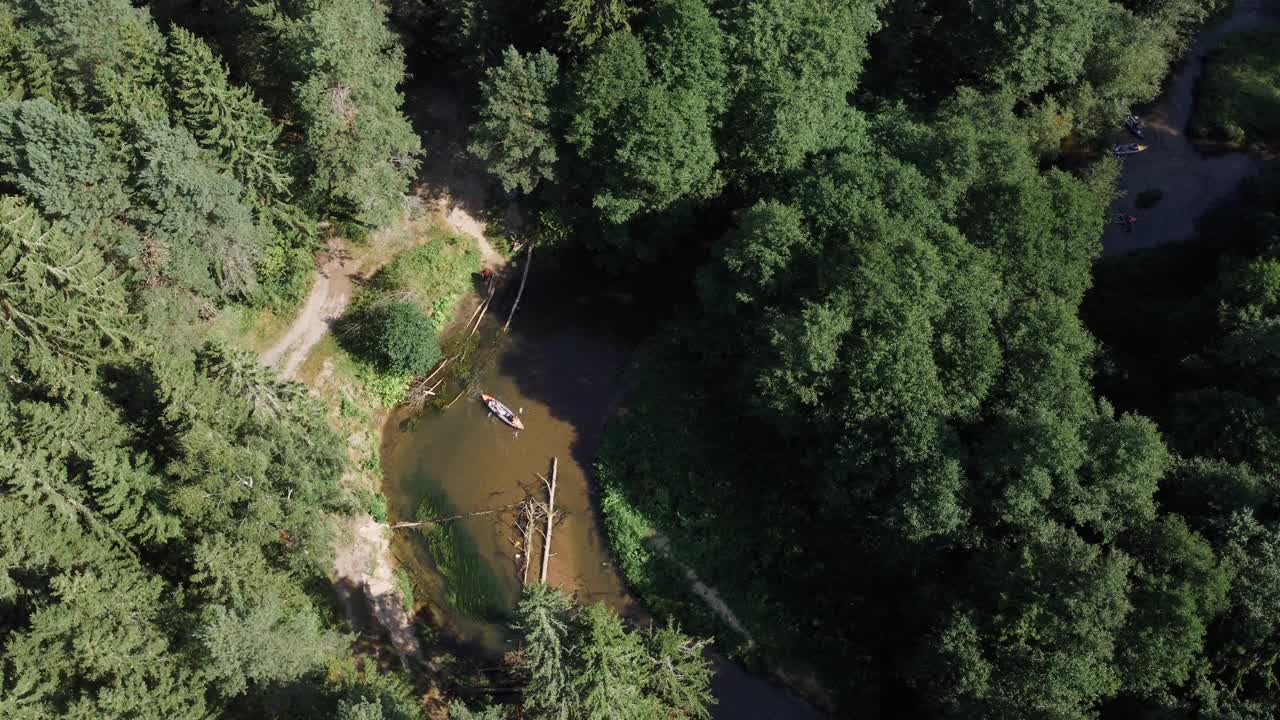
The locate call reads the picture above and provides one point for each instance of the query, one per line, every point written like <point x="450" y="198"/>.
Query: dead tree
<point x="529" y="516"/>
<point x="551" y="517"/>
<point x="528" y="256"/>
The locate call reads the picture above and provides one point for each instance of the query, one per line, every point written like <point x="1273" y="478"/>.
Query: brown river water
<point x="562" y="367"/>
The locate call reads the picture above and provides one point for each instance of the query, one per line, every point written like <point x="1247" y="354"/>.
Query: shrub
<point x="1238" y="96"/>
<point x="375" y="503"/>
<point x="395" y="337"/>
<point x="404" y="585"/>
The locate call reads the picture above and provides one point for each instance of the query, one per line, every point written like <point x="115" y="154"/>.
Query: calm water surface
<point x="562" y="366"/>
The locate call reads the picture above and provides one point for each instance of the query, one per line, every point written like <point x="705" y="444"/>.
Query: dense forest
<point x="941" y="457"/>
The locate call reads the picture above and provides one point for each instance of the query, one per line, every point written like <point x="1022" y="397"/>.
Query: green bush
<point x="1148" y="198"/>
<point x="1238" y="99"/>
<point x="404" y="585"/>
<point x="395" y="337"/>
<point x="374" y="503"/>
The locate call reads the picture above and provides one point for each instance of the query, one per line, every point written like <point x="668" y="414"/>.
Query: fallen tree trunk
<point x="530" y="517"/>
<point x="484" y="309"/>
<point x="436" y="521"/>
<point x="528" y="257"/>
<point x="551" y="516"/>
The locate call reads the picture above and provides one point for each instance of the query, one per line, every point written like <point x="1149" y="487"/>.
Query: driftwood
<point x="455" y="399"/>
<point x="529" y="517"/>
<point x="483" y="309"/>
<point x="551" y="516"/>
<point x="528" y="257"/>
<point x="436" y="521"/>
<point x="419" y="392"/>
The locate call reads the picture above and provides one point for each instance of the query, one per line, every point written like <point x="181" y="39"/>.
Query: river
<point x="562" y="365"/>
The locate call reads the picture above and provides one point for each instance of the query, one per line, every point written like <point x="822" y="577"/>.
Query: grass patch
<point x="374" y="503"/>
<point x="469" y="586"/>
<point x="433" y="276"/>
<point x="1148" y="198"/>
<point x="1238" y="98"/>
<point x="404" y="586"/>
<point x="670" y="465"/>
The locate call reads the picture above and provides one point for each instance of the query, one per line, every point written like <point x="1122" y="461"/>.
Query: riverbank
<point x="359" y="402"/>
<point x="1191" y="182"/>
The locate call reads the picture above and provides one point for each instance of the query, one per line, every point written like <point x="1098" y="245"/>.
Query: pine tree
<point x="86" y="36"/>
<point x="57" y="295"/>
<point x="680" y="676"/>
<point x="25" y="71"/>
<point x="57" y="161"/>
<point x="358" y="152"/>
<point x="244" y="376"/>
<point x="225" y="119"/>
<point x="610" y="668"/>
<point x="195" y="213"/>
<point x="514" y="134"/>
<point x="542" y="620"/>
<point x="586" y="21"/>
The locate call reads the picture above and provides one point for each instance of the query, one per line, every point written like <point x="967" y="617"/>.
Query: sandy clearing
<point x="363" y="565"/>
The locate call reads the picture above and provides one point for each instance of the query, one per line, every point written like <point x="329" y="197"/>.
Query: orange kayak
<point x="502" y="411"/>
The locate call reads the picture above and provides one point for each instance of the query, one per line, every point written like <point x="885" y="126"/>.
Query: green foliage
<point x="432" y="276"/>
<point x="513" y="135"/>
<point x="342" y="65"/>
<point x="59" y="300"/>
<point x="374" y="503"/>
<point x="55" y="159"/>
<point x="542" y="619"/>
<point x="25" y="70"/>
<point x="264" y="644"/>
<point x="196" y="231"/>
<point x="582" y="663"/>
<point x="586" y="21"/>
<point x="648" y="145"/>
<point x="470" y="586"/>
<point x="387" y="388"/>
<point x="792" y="66"/>
<point x="224" y="119"/>
<point x="1238" y="98"/>
<point x="86" y="37"/>
<point x="458" y="711"/>
<point x="396" y="338"/>
<point x="161" y="508"/>
<point x="404" y="585"/>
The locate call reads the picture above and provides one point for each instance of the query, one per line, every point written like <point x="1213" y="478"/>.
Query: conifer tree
<point x="357" y="152"/>
<point x="542" y="619"/>
<point x="224" y="119"/>
<point x="56" y="159"/>
<point x="514" y="133"/>
<point x="194" y="213"/>
<point x="679" y="678"/>
<point x="57" y="295"/>
<point x="586" y="21"/>
<point x="610" y="669"/>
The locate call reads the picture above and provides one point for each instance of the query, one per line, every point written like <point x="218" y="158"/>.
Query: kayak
<point x="502" y="411"/>
<point x="1130" y="149"/>
<point x="1134" y="124"/>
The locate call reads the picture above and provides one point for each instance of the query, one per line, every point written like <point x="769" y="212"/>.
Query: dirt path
<point x="329" y="296"/>
<point x="1192" y="182"/>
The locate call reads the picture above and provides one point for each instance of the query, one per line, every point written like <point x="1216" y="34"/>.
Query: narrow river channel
<point x="562" y="365"/>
